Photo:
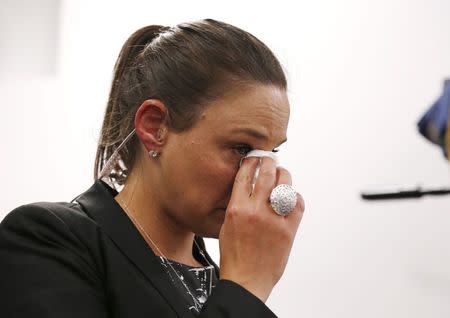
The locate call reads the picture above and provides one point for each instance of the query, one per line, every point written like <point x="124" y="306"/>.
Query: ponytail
<point x="111" y="133"/>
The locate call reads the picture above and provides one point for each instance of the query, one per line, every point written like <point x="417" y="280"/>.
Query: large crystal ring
<point x="283" y="199"/>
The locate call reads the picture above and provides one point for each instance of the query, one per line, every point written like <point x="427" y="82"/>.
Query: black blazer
<point x="86" y="259"/>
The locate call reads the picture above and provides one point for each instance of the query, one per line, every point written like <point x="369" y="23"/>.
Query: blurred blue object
<point x="434" y="123"/>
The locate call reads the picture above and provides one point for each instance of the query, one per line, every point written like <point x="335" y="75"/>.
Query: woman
<point x="187" y="104"/>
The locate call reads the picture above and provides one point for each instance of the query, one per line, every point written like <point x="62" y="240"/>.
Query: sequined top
<point x="199" y="280"/>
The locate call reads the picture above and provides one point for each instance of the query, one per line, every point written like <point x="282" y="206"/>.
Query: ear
<point x="151" y="124"/>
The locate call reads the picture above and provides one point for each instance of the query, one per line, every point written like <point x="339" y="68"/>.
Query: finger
<point x="294" y="218"/>
<point x="242" y="187"/>
<point x="266" y="179"/>
<point x="283" y="176"/>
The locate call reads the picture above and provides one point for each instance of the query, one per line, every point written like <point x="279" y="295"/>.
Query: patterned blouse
<point x="200" y="281"/>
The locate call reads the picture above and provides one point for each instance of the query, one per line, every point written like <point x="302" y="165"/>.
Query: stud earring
<point x="153" y="153"/>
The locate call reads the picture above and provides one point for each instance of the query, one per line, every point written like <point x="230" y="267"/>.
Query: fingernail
<point x="246" y="159"/>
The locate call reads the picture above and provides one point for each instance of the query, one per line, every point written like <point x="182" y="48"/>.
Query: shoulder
<point x="62" y="215"/>
<point x="55" y="230"/>
<point x="51" y="261"/>
<point x="49" y="223"/>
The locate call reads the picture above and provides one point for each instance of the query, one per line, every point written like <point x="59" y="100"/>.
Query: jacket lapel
<point x="98" y="202"/>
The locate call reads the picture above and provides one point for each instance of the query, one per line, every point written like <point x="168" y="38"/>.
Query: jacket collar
<point x="98" y="202"/>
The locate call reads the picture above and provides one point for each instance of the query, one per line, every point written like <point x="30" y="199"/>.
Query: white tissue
<point x="260" y="153"/>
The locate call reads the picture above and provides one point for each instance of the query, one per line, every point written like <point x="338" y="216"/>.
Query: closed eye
<point x="242" y="149"/>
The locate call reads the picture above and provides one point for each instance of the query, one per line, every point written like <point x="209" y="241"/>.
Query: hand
<point x="254" y="241"/>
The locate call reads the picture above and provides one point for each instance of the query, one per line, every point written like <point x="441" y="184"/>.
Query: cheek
<point x="204" y="175"/>
<point x="218" y="175"/>
<point x="213" y="170"/>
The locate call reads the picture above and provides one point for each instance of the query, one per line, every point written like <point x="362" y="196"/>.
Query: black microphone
<point x="402" y="193"/>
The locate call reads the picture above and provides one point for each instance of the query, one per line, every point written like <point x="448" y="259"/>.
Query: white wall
<point x="361" y="74"/>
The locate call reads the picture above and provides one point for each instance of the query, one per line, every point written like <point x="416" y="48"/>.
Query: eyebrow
<point x="254" y="133"/>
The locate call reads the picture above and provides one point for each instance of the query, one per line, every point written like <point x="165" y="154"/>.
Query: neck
<point x="156" y="226"/>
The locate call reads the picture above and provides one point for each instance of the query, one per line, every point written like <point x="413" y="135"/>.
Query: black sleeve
<point x="231" y="300"/>
<point x="45" y="270"/>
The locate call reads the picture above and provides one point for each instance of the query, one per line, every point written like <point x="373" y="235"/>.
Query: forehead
<point x="261" y="107"/>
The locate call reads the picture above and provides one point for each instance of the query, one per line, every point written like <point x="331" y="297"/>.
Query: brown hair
<point x="183" y="66"/>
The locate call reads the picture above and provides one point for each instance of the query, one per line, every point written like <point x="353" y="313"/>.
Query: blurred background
<point x="361" y="74"/>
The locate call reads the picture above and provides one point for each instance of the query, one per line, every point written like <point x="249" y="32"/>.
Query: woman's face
<point x="198" y="166"/>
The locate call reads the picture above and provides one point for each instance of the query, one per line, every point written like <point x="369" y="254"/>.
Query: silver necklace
<point x="197" y="304"/>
